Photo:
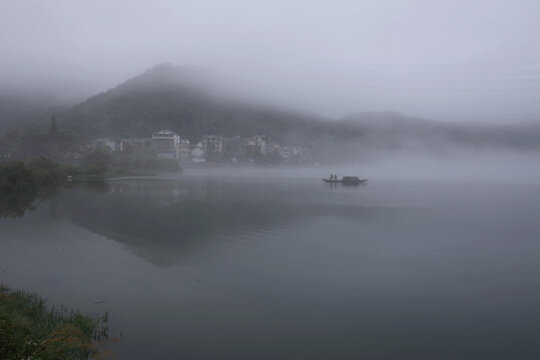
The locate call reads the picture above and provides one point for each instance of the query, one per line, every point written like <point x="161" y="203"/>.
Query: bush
<point x="16" y="180"/>
<point x="97" y="162"/>
<point x="28" y="330"/>
<point x="45" y="171"/>
<point x="21" y="185"/>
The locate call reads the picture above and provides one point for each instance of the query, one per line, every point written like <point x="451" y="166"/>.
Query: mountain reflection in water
<point x="161" y="220"/>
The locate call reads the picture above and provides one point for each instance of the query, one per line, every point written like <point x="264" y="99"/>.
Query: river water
<point x="209" y="267"/>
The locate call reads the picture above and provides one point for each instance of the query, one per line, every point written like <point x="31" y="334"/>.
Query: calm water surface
<point x="214" y="268"/>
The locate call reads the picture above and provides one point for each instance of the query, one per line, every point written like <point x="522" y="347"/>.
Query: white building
<point x="197" y="155"/>
<point x="166" y="143"/>
<point x="212" y="143"/>
<point x="264" y="145"/>
<point x="104" y="143"/>
<point x="131" y="145"/>
<point x="295" y="154"/>
<point x="183" y="150"/>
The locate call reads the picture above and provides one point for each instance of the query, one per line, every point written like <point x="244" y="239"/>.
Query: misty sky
<point x="447" y="60"/>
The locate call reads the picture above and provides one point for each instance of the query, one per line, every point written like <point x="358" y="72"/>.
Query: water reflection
<point x="16" y="205"/>
<point x="208" y="269"/>
<point x="164" y="220"/>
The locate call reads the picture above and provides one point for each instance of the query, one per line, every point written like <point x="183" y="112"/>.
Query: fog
<point x="452" y="61"/>
<point x="306" y="179"/>
<point x="460" y="63"/>
<point x="481" y="167"/>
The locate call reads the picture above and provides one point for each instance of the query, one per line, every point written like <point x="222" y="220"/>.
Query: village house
<point x="169" y="145"/>
<point x="235" y="148"/>
<point x="212" y="148"/>
<point x="165" y="143"/>
<point x="183" y="150"/>
<point x="211" y="143"/>
<point x="295" y="154"/>
<point x="103" y="143"/>
<point x="250" y="148"/>
<point x="197" y="155"/>
<point x="129" y="145"/>
<point x="263" y="144"/>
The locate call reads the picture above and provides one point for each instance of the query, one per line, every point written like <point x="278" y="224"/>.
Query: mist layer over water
<point x="219" y="267"/>
<point x="502" y="167"/>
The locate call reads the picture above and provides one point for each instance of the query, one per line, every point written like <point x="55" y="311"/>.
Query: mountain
<point x="187" y="100"/>
<point x="194" y="102"/>
<point x="390" y="130"/>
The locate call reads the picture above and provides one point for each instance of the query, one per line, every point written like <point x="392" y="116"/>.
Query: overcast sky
<point x="448" y="60"/>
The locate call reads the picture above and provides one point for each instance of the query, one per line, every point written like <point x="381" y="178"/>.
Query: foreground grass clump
<point x="28" y="330"/>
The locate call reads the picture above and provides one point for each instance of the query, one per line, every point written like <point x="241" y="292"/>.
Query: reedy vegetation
<point x="29" y="330"/>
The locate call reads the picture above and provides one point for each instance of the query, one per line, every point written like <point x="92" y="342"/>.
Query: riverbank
<point x="29" y="330"/>
<point x="21" y="184"/>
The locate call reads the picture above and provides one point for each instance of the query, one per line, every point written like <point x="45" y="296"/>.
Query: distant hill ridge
<point x="194" y="102"/>
<point x="185" y="99"/>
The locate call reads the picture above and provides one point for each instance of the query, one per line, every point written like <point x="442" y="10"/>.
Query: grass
<point x="29" y="330"/>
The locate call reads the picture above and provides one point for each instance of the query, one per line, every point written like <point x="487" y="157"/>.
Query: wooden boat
<point x="346" y="180"/>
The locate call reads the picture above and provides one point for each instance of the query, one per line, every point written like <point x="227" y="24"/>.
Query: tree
<point x="45" y="171"/>
<point x="97" y="162"/>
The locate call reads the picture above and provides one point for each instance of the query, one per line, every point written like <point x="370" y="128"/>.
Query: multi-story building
<point x="264" y="145"/>
<point x="235" y="147"/>
<point x="166" y="143"/>
<point x="251" y="148"/>
<point x="130" y="145"/>
<point x="183" y="150"/>
<point x="212" y="144"/>
<point x="295" y="154"/>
